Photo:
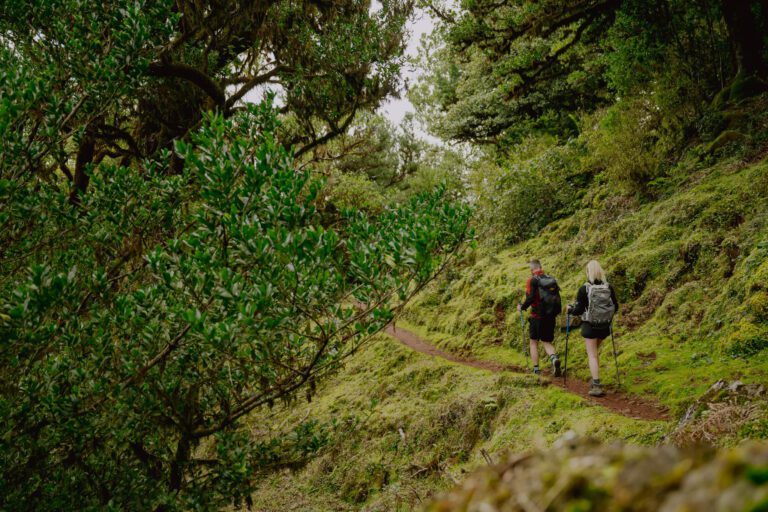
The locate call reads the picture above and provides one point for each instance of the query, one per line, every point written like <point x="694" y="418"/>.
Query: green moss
<point x="758" y="305"/>
<point x="725" y="138"/>
<point x="691" y="271"/>
<point x="748" y="339"/>
<point x="758" y="279"/>
<point x="579" y="474"/>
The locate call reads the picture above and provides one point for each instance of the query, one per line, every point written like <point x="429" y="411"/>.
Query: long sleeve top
<point x="582" y="299"/>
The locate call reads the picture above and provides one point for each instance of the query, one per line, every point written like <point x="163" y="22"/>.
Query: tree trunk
<point x="746" y="34"/>
<point x="84" y="157"/>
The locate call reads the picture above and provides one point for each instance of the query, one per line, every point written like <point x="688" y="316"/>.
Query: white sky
<point x="395" y="109"/>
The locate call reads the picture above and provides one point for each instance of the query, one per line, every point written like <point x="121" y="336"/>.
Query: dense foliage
<point x="87" y="81"/>
<point x="168" y="261"/>
<point x="560" y="97"/>
<point x="174" y="305"/>
<point x="508" y="68"/>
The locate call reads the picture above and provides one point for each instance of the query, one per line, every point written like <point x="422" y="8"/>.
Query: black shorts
<point x="542" y="328"/>
<point x="594" y="332"/>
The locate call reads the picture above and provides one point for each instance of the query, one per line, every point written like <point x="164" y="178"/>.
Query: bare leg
<point x="549" y="348"/>
<point x="593" y="344"/>
<point x="534" y="352"/>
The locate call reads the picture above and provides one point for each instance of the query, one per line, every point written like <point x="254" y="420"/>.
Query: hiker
<point x="542" y="295"/>
<point x="596" y="303"/>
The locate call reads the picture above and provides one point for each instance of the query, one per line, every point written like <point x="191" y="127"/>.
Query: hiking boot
<point x="596" y="390"/>
<point x="556" y="364"/>
<point x="536" y="371"/>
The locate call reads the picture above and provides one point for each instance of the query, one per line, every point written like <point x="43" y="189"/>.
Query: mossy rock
<point x="740" y="88"/>
<point x="725" y="138"/>
<point x="580" y="474"/>
<point x="744" y="87"/>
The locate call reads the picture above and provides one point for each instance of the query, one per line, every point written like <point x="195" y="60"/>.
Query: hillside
<point x="691" y="270"/>
<point x="691" y="273"/>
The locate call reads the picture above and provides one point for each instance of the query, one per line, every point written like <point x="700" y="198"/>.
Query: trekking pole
<point x="615" y="358"/>
<point x="567" y="332"/>
<point x="522" y="331"/>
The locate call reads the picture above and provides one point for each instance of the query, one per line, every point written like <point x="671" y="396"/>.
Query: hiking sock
<point x="536" y="369"/>
<point x="596" y="382"/>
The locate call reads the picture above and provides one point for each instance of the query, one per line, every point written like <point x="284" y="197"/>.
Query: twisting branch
<point x="192" y="75"/>
<point x="328" y="136"/>
<point x="250" y="84"/>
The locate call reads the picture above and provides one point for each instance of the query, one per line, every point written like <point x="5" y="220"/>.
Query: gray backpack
<point x="600" y="309"/>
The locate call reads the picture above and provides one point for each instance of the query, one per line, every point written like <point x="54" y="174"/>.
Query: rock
<point x="735" y="385"/>
<point x="720" y="412"/>
<point x="581" y="474"/>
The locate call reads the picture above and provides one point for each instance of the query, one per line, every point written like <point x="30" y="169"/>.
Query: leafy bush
<point x="354" y="191"/>
<point x="747" y="340"/>
<point x="624" y="142"/>
<point x="519" y="197"/>
<point x="143" y="325"/>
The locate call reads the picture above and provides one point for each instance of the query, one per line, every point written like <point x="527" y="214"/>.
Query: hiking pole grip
<point x="615" y="357"/>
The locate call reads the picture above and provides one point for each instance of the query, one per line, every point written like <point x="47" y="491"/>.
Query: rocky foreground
<point x="583" y="475"/>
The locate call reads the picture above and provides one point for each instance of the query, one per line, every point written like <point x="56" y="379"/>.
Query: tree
<point x="508" y="69"/>
<point x="123" y="80"/>
<point x="748" y="29"/>
<point x="165" y="270"/>
<point x="385" y="153"/>
<point x="519" y="65"/>
<point x="152" y="319"/>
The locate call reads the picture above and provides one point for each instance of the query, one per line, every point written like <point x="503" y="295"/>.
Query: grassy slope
<point x="447" y="414"/>
<point x="691" y="270"/>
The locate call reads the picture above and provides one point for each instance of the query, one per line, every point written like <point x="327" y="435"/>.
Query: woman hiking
<point x="596" y="303"/>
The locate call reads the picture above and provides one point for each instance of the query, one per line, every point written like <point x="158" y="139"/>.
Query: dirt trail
<point x="626" y="405"/>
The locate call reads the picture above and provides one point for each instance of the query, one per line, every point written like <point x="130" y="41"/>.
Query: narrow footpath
<point x="626" y="405"/>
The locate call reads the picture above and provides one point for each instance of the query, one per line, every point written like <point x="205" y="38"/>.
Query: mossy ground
<point x="691" y="272"/>
<point x="412" y="425"/>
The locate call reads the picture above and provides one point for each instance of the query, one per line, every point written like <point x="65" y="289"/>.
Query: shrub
<point x="625" y="142"/>
<point x="160" y="311"/>
<point x="346" y="190"/>
<point x="520" y="196"/>
<point x="747" y="340"/>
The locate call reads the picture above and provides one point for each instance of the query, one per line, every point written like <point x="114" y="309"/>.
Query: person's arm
<point x="614" y="299"/>
<point x="530" y="294"/>
<point x="581" y="302"/>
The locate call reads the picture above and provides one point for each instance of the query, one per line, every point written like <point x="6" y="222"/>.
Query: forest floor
<point x="618" y="402"/>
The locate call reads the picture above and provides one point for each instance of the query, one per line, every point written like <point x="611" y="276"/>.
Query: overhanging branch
<point x="192" y="75"/>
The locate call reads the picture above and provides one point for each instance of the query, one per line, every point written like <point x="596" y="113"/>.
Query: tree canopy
<point x="125" y="79"/>
<point x="505" y="69"/>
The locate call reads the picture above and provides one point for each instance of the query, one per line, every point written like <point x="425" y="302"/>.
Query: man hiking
<point x="542" y="295"/>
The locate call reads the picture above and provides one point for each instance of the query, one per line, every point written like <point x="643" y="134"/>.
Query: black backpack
<point x="549" y="295"/>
